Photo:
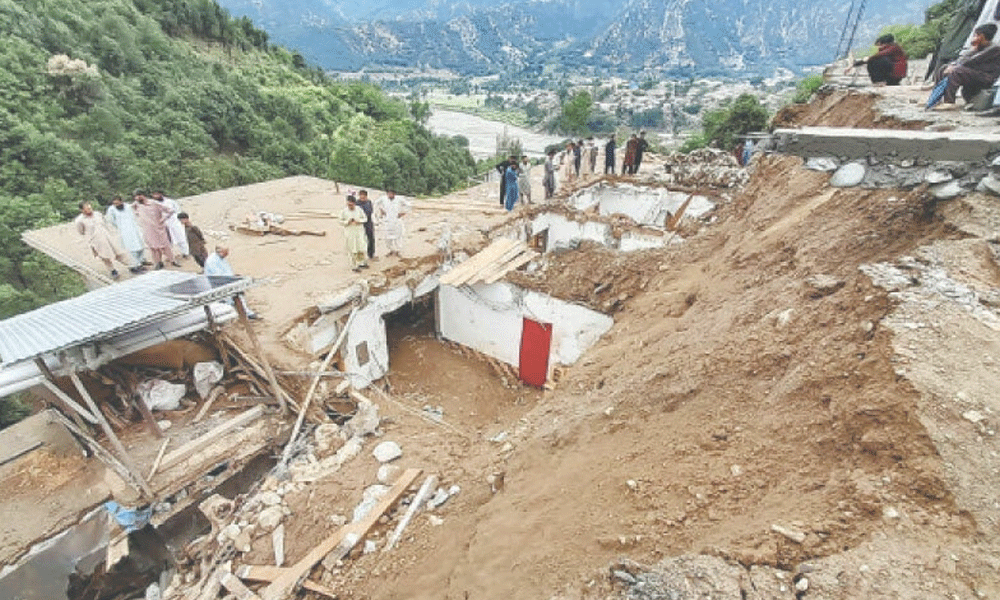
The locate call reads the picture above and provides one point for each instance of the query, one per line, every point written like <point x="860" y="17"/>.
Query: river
<point x="482" y="133"/>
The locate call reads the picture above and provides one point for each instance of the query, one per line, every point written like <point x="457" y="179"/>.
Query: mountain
<point x="707" y="37"/>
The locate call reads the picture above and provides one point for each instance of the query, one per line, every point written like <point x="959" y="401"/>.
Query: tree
<point x="576" y="114"/>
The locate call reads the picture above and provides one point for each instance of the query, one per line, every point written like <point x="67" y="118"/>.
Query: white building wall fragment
<point x="489" y="318"/>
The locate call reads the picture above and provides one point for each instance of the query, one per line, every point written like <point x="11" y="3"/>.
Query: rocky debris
<point x="822" y="285"/>
<point x="948" y="190"/>
<point x="369" y="498"/>
<point x="269" y="518"/>
<point x="681" y="577"/>
<point x="387" y="452"/>
<point x="328" y="438"/>
<point x="364" y="422"/>
<point x="388" y="474"/>
<point x="441" y="496"/>
<point x="206" y="375"/>
<point x="848" y="175"/>
<point x="822" y="163"/>
<point x="158" y="394"/>
<point x="705" y="167"/>
<point x="791" y="533"/>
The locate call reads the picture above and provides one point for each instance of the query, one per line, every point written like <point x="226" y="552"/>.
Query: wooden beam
<point x="242" y="355"/>
<point x="474" y="263"/>
<point x="509" y="266"/>
<point x="222" y="429"/>
<point x="425" y="490"/>
<point x="234" y="585"/>
<point x="287" y="454"/>
<point x="339" y="544"/>
<point x="73" y="409"/>
<point x="123" y="454"/>
<point x="159" y="457"/>
<point x="242" y="310"/>
<point x="99" y="451"/>
<point x="498" y="262"/>
<point x="269" y="574"/>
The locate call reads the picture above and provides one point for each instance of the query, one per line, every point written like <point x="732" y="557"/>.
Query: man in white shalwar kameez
<point x="122" y="217"/>
<point x="390" y="210"/>
<point x="175" y="229"/>
<point x="353" y="219"/>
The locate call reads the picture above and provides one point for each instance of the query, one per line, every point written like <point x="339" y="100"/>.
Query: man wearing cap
<point x="975" y="70"/>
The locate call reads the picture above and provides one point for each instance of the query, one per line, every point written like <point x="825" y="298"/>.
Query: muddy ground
<point x="764" y="408"/>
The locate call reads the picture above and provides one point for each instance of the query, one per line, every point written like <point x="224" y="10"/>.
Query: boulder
<point x="387" y="452"/>
<point x="822" y="163"/>
<point x="269" y="518"/>
<point x="848" y="175"/>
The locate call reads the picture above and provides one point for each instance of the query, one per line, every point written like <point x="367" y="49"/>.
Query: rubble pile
<point x="944" y="179"/>
<point x="705" y="167"/>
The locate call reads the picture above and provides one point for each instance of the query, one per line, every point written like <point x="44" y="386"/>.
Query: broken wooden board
<point x="269" y="574"/>
<point x="478" y="262"/>
<point x="200" y="442"/>
<point x="339" y="543"/>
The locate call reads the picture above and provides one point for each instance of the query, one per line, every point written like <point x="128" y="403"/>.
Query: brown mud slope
<point x="839" y="108"/>
<point x="729" y="396"/>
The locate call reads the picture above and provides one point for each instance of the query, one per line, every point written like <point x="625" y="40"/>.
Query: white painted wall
<point x="566" y="233"/>
<point x="488" y="318"/>
<point x="632" y="241"/>
<point x="368" y="327"/>
<point x="644" y="205"/>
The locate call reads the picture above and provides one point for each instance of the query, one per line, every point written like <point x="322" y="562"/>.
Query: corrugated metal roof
<point x="102" y="313"/>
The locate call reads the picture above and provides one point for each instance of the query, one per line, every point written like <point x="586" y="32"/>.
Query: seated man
<point x="888" y="65"/>
<point x="975" y="70"/>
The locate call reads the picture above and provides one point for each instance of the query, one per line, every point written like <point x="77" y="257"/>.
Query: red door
<point x="536" y="339"/>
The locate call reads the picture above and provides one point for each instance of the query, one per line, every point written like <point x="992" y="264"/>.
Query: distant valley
<point x="678" y="38"/>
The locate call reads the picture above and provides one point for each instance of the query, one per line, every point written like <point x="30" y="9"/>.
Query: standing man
<point x="640" y="148"/>
<point x="629" y="159"/>
<point x="524" y="181"/>
<point x="175" y="230"/>
<point x="609" y="156"/>
<point x="195" y="239"/>
<point x="390" y="210"/>
<point x="122" y="217"/>
<point x="91" y="226"/>
<point x="366" y="205"/>
<point x="577" y="155"/>
<point x="353" y="219"/>
<point x="502" y="169"/>
<point x="511" y="176"/>
<point x="549" y="182"/>
<point x="592" y="152"/>
<point x="152" y="218"/>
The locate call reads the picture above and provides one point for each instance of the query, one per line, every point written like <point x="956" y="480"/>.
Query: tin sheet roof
<point x="105" y="312"/>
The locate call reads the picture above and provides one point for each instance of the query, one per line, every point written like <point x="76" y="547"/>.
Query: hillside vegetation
<point x="99" y="98"/>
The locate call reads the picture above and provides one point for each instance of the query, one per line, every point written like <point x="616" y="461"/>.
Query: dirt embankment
<point x="840" y="108"/>
<point x="748" y="382"/>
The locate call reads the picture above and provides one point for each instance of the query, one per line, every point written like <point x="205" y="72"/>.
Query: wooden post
<point x="66" y="403"/>
<point x="312" y="388"/>
<point x="99" y="451"/>
<point x="242" y="310"/>
<point x="123" y="454"/>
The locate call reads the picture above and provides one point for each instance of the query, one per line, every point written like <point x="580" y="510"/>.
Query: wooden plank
<point x="512" y="265"/>
<point x="159" y="457"/>
<point x="79" y="410"/>
<point x="477" y="261"/>
<point x="456" y="276"/>
<point x="212" y="395"/>
<point x="242" y="310"/>
<point x="491" y="262"/>
<point x="339" y="543"/>
<point x="196" y="444"/>
<point x="498" y="262"/>
<point x="123" y="454"/>
<point x="425" y="490"/>
<point x="278" y="544"/>
<point x="65" y="402"/>
<point x="269" y="574"/>
<point x="674" y="220"/>
<point x="234" y="585"/>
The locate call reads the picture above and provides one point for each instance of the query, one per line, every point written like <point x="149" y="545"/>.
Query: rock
<point x="439" y="498"/>
<point x="270" y="498"/>
<point x="890" y="513"/>
<point x="783" y="318"/>
<point x="231" y="531"/>
<point x="973" y="416"/>
<point x="821" y="163"/>
<point x="364" y="422"/>
<point x="388" y="474"/>
<point x="161" y="395"/>
<point x="935" y="177"/>
<point x="243" y="542"/>
<point x="632" y="485"/>
<point x="269" y="518"/>
<point x="370" y="547"/>
<point x="328" y="439"/>
<point x="848" y="175"/>
<point x="164" y="424"/>
<point x="435" y="520"/>
<point x="802" y="585"/>
<point x="206" y="375"/>
<point x="736" y="470"/>
<point x="624" y="576"/>
<point x="823" y="285"/>
<point x="947" y="191"/>
<point x="793" y="534"/>
<point x="153" y="592"/>
<point x="369" y="498"/>
<point x="387" y="451"/>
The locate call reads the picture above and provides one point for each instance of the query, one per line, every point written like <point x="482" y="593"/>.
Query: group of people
<point x="578" y="160"/>
<point x="359" y="218"/>
<point x="128" y="230"/>
<point x="975" y="70"/>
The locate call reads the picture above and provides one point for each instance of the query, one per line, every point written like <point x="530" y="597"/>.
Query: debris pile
<point x="705" y="167"/>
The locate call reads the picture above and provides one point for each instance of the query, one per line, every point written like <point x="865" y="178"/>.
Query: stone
<point x="231" y="531"/>
<point x="164" y="424"/>
<point x="990" y="184"/>
<point x="269" y="518"/>
<point x="370" y="547"/>
<point x="821" y="163"/>
<point x="973" y="416"/>
<point x="736" y="470"/>
<point x="934" y="177"/>
<point x="802" y="585"/>
<point x="369" y="498"/>
<point x="328" y="439"/>
<point x="947" y="191"/>
<point x="243" y="542"/>
<point x="793" y="534"/>
<point x="823" y="285"/>
<point x="890" y="513"/>
<point x="848" y="175"/>
<point x="206" y="375"/>
<point x="440" y="497"/>
<point x="388" y="474"/>
<point x="783" y="318"/>
<point x="270" y="498"/>
<point x="364" y="422"/>
<point x="387" y="451"/>
<point x="435" y="520"/>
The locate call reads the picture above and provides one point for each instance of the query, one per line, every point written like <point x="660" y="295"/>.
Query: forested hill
<point x="105" y="96"/>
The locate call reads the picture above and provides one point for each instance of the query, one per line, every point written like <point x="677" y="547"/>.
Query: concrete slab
<point x="965" y="146"/>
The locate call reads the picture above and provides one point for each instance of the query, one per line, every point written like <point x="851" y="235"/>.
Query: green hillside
<point x="102" y="97"/>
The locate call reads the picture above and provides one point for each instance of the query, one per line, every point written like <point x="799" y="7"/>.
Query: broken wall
<point x="644" y="205"/>
<point x="489" y="318"/>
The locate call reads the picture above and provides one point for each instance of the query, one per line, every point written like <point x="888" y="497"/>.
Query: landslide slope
<point x="753" y="377"/>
